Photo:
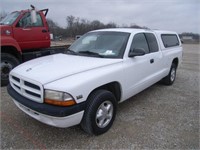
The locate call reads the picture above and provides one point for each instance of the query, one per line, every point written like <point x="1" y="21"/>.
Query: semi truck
<point x="24" y="35"/>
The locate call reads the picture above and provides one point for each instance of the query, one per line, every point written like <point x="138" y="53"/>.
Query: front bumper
<point x="61" y="122"/>
<point x="52" y="115"/>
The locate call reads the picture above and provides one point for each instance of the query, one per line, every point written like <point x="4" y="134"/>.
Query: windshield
<point x="9" y="19"/>
<point x="103" y="43"/>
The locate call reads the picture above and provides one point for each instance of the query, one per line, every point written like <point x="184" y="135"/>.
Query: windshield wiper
<point x="90" y="53"/>
<point x="69" y="51"/>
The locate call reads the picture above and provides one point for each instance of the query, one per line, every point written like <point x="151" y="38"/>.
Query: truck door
<point x="141" y="69"/>
<point x="31" y="35"/>
<point x="156" y="57"/>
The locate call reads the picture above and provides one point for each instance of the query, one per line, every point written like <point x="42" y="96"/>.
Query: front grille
<point x="30" y="90"/>
<point x="31" y="85"/>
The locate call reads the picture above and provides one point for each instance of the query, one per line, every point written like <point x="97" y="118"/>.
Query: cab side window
<point x="151" y="39"/>
<point x="140" y="42"/>
<point x="170" y="40"/>
<point x="25" y="21"/>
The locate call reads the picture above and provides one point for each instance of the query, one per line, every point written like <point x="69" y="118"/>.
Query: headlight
<point x="58" y="98"/>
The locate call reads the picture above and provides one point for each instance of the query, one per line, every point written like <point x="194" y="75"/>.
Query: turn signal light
<point x="60" y="103"/>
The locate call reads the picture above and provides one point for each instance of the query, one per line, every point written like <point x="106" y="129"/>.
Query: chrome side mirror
<point x="33" y="15"/>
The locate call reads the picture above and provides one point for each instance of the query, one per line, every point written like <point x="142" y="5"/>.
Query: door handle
<point x="44" y="31"/>
<point x="151" y="61"/>
<point x="26" y="29"/>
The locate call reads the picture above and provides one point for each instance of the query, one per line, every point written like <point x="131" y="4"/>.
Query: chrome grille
<point x="27" y="88"/>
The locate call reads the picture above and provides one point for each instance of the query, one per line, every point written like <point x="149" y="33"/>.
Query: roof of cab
<point x="164" y="32"/>
<point x="129" y="30"/>
<point x="132" y="30"/>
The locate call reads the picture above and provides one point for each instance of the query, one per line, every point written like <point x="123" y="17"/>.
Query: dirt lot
<point x="161" y="117"/>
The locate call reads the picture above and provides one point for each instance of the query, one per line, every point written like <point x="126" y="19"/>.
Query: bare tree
<point x="70" y="21"/>
<point x="77" y="26"/>
<point x="56" y="29"/>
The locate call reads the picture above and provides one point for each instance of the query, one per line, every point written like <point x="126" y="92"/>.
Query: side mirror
<point x="33" y="16"/>
<point x="137" y="52"/>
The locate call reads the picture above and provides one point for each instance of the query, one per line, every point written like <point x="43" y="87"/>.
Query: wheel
<point x="170" y="78"/>
<point x="8" y="62"/>
<point x="100" y="112"/>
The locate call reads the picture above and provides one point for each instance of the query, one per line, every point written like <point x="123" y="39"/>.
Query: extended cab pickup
<point x="99" y="70"/>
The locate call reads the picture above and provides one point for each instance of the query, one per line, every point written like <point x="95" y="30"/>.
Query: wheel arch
<point x="12" y="51"/>
<point x="113" y="87"/>
<point x="176" y="62"/>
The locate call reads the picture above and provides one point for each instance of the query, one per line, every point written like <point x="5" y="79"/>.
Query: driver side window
<point x="140" y="42"/>
<point x="25" y="21"/>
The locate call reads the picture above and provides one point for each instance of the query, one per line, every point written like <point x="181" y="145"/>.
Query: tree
<point x="55" y="29"/>
<point x="78" y="26"/>
<point x="51" y="23"/>
<point x="70" y="21"/>
<point x="137" y="26"/>
<point x="111" y="25"/>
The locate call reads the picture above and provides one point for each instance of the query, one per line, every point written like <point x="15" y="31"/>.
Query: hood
<point x="54" y="67"/>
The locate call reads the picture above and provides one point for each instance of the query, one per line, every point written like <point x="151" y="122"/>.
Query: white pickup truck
<point x="100" y="69"/>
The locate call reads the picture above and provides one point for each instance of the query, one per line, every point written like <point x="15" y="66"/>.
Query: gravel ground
<point x="161" y="117"/>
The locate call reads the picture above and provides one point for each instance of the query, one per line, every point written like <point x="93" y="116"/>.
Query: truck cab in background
<point x="32" y="35"/>
<point x="22" y="32"/>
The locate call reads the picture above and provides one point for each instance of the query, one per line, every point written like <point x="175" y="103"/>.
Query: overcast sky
<point x="176" y="15"/>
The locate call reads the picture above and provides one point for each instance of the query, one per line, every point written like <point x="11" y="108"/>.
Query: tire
<point x="100" y="112"/>
<point x="8" y="62"/>
<point x="170" y="78"/>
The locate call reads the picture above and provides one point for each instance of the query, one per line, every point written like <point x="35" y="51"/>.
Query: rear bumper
<point x="49" y="114"/>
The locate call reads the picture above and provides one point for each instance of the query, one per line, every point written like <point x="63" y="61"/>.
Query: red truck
<point x="24" y="35"/>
